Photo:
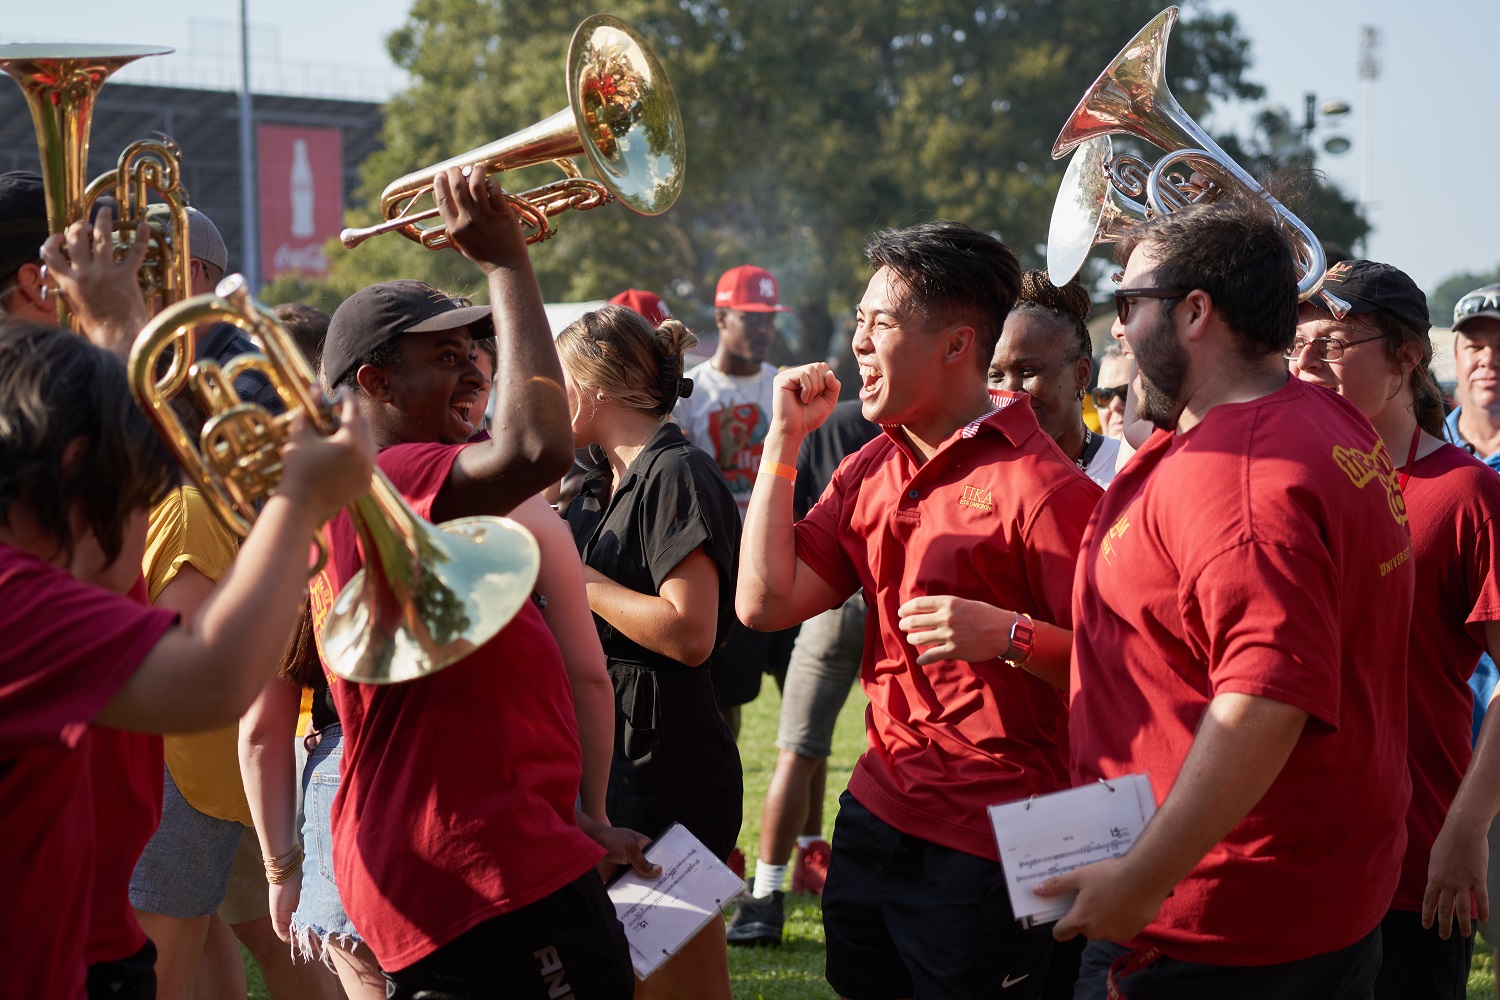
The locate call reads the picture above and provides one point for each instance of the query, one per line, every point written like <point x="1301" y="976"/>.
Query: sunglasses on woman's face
<point x="1106" y="394"/>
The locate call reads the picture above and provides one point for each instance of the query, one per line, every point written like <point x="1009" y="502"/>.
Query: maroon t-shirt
<point x="1263" y="552"/>
<point x="456" y="801"/>
<point x="68" y="649"/>
<point x="1453" y="500"/>
<point x="996" y="516"/>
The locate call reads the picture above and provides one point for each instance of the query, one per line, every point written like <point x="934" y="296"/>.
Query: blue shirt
<point x="1486" y="676"/>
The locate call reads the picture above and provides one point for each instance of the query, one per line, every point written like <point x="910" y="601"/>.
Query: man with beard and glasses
<point x="1242" y="605"/>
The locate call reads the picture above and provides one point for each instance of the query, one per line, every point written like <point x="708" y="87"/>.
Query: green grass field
<point x="795" y="970"/>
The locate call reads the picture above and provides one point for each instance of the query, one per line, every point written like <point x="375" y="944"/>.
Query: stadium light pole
<point x="250" y="242"/>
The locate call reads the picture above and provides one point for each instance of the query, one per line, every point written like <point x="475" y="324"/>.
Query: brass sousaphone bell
<point x="1103" y="195"/>
<point x="621" y="116"/>
<point x="61" y="84"/>
<point x="427" y="595"/>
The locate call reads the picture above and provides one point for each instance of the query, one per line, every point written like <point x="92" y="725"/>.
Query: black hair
<point x="954" y="274"/>
<point x="57" y="388"/>
<point x="383" y="355"/>
<point x="1235" y="251"/>
<point x="308" y="326"/>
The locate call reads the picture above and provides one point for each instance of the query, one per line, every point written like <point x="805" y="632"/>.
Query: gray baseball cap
<point x="204" y="241"/>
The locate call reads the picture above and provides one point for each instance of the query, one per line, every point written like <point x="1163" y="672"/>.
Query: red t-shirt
<point x="995" y="516"/>
<point x="1452" y="499"/>
<point x="127" y="810"/>
<point x="68" y="649"/>
<point x="1263" y="552"/>
<point x="457" y="790"/>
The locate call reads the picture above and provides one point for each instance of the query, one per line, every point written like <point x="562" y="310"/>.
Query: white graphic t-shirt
<point x="727" y="416"/>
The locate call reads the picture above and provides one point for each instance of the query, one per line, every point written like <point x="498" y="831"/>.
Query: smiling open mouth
<point x="870" y="379"/>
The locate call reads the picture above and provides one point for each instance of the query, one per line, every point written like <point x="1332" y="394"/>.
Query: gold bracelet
<point x="281" y="858"/>
<point x="787" y="472"/>
<point x="277" y="873"/>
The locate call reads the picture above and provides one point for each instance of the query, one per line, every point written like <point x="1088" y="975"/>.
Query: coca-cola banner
<point x="301" y="197"/>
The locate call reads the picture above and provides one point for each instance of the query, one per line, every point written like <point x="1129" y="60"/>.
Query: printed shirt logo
<point x="1361" y="467"/>
<point x="978" y="497"/>
<point x="320" y="597"/>
<point x="1114" y="534"/>
<point x="738" y="434"/>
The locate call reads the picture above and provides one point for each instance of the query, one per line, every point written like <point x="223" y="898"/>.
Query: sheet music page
<point x="663" y="914"/>
<point x="1047" y="835"/>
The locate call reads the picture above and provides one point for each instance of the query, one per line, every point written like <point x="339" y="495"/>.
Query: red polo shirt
<point x="1263" y="552"/>
<point x="997" y="516"/>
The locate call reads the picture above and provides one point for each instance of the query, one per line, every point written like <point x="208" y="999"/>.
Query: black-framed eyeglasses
<point x="1483" y="300"/>
<point x="1324" y="348"/>
<point x="1123" y="297"/>
<point x="1105" y="394"/>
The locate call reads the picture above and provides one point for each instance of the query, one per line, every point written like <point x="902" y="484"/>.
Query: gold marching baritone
<point x="427" y="596"/>
<point x="1105" y="194"/>
<point x="621" y="116"/>
<point x="61" y="84"/>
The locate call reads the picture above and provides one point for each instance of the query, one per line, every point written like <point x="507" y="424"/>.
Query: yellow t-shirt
<point x="184" y="531"/>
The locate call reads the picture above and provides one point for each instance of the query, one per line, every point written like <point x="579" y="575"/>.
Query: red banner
<point x="301" y="198"/>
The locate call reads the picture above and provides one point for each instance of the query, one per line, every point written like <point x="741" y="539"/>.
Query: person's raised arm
<point x="104" y="294"/>
<point x="1241" y="746"/>
<point x="776" y="590"/>
<point x="206" y="674"/>
<point x="1460" y="855"/>
<point x="531" y="439"/>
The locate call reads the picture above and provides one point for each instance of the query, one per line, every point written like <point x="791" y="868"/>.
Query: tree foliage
<point x="808" y="127"/>
<point x="1443" y="298"/>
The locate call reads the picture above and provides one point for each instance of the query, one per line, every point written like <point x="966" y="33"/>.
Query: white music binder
<point x="1048" y="835"/>
<point x="663" y="914"/>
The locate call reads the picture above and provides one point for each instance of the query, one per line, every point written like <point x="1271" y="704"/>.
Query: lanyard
<point x="1411" y="456"/>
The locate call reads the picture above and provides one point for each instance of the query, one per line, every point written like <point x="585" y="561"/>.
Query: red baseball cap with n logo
<point x="749" y="289"/>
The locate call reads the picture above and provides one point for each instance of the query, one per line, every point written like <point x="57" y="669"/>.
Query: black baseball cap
<point x="23" y="219"/>
<point x="374" y="315"/>
<point x="1367" y="286"/>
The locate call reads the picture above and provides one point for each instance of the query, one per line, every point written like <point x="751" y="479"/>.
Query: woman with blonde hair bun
<point x="658" y="531"/>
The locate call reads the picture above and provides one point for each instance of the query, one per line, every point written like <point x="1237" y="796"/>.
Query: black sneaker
<point x="757" y="921"/>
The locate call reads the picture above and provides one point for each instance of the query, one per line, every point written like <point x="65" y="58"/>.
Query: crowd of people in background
<point x="1247" y="551"/>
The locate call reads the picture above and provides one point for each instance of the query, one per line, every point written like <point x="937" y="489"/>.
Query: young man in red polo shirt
<point x="1242" y="606"/>
<point x="961" y="522"/>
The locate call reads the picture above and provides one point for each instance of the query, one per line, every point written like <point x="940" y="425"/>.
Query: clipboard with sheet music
<point x="1048" y="835"/>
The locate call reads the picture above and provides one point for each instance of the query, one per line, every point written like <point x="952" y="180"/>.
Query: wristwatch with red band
<point x="1022" y="638"/>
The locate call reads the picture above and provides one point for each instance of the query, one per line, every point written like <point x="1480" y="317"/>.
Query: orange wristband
<point x="787" y="472"/>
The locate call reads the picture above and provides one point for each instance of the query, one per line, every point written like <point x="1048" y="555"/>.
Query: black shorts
<point x="132" y="978"/>
<point x="568" y="944"/>
<point x="905" y="917"/>
<point x="1346" y="974"/>
<point x="1416" y="964"/>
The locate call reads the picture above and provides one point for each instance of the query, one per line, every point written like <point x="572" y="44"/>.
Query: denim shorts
<point x="825" y="664"/>
<point x="320" y="916"/>
<point x="184" y="870"/>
